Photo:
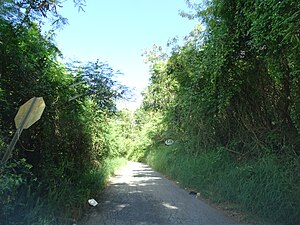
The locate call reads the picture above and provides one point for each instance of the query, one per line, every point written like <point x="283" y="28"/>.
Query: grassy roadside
<point x="61" y="205"/>
<point x="264" y="187"/>
<point x="88" y="186"/>
<point x="94" y="182"/>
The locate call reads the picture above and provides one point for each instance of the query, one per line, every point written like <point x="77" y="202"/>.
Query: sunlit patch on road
<point x="140" y="196"/>
<point x="169" y="206"/>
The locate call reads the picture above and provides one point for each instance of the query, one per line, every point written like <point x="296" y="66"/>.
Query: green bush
<point x="19" y="201"/>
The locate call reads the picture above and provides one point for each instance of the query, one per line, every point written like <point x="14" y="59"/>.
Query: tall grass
<point x="61" y="205"/>
<point x="265" y="187"/>
<point x="73" y="196"/>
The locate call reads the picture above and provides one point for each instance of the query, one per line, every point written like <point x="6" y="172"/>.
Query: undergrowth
<point x="61" y="205"/>
<point x="266" y="187"/>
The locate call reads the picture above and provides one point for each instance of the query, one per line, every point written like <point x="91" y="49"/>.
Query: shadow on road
<point x="137" y="195"/>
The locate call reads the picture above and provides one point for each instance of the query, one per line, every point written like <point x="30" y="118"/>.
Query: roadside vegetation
<point x="65" y="158"/>
<point x="229" y="99"/>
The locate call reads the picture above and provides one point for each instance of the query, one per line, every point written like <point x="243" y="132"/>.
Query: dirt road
<point x="137" y="195"/>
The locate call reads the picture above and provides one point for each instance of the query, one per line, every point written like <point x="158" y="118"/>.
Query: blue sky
<point x="116" y="32"/>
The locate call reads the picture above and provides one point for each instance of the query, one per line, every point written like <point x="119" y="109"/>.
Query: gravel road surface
<point x="137" y="195"/>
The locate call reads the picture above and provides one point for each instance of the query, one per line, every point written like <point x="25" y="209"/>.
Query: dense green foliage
<point x="233" y="85"/>
<point x="65" y="157"/>
<point x="229" y="98"/>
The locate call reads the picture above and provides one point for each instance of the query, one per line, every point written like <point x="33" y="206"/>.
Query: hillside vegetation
<point x="230" y="99"/>
<point x="65" y="158"/>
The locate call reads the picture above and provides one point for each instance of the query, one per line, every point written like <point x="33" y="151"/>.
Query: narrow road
<point x="137" y="195"/>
